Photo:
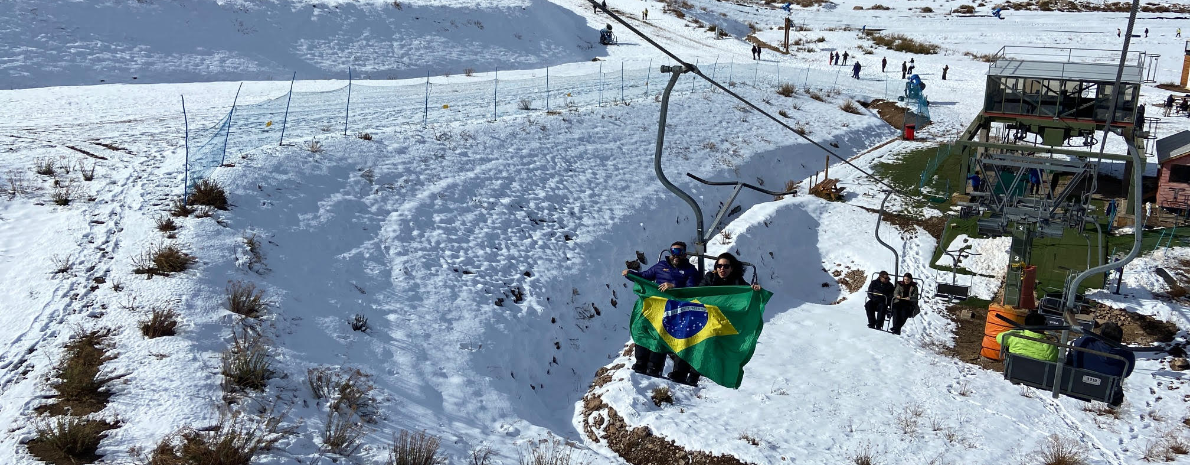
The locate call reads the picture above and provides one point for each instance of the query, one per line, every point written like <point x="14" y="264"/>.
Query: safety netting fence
<point x="369" y="106"/>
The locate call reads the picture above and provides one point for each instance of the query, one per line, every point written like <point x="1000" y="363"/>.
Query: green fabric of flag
<point x="714" y="328"/>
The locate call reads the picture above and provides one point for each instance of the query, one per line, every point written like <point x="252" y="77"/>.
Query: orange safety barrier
<point x="995" y="326"/>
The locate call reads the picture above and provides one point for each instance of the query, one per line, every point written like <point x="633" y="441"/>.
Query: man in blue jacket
<point x="1101" y="364"/>
<point x="675" y="271"/>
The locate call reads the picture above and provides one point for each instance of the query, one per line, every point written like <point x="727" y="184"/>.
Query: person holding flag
<point x="675" y="271"/>
<point x="713" y="329"/>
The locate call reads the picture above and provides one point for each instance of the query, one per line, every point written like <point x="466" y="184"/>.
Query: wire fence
<point x="361" y="107"/>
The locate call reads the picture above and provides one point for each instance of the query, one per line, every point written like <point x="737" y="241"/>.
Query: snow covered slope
<point x="66" y="42"/>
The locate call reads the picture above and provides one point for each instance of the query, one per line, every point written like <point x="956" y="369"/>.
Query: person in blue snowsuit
<point x="676" y="271"/>
<point x="1100" y="364"/>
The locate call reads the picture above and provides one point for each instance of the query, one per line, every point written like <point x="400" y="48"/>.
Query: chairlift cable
<point x="695" y="70"/>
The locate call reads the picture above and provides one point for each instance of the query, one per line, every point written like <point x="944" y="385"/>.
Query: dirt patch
<point x="1139" y="329"/>
<point x="969" y="325"/>
<point x="604" y="375"/>
<point x="1173" y="88"/>
<point x="905" y="224"/>
<point x="639" y="446"/>
<point x="895" y="115"/>
<point x="852" y="280"/>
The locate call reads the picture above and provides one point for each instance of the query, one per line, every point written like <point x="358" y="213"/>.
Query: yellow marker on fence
<point x="445" y="106"/>
<point x="568" y="94"/>
<point x="268" y="124"/>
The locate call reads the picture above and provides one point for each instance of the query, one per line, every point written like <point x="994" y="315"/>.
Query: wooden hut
<point x="1173" y="179"/>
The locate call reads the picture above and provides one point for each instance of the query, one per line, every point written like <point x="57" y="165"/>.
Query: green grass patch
<point x="904" y="172"/>
<point x="1056" y="257"/>
<point x="1149" y="240"/>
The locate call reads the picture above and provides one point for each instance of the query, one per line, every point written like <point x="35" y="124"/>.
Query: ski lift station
<point x="1033" y="156"/>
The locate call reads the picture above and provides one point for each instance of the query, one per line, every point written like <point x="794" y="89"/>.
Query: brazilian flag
<point x="714" y="329"/>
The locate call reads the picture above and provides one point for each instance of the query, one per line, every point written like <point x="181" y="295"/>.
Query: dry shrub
<point x="364" y="136"/>
<point x="926" y="9"/>
<point x="750" y="439"/>
<point x="233" y="441"/>
<point x="850" y="106"/>
<point x="964" y="10"/>
<point x="44" y="166"/>
<point x="344" y="389"/>
<point x="903" y="43"/>
<point x="415" y="449"/>
<point x="548" y="452"/>
<point x="984" y="57"/>
<point x="246" y="364"/>
<point x="63" y="193"/>
<point x="525" y="104"/>
<point x="209" y="193"/>
<point x="481" y="455"/>
<point x="179" y="209"/>
<point x="80" y="386"/>
<point x="801" y="130"/>
<point x="786" y="90"/>
<point x="783" y="113"/>
<point x="88" y="173"/>
<point x="469" y="72"/>
<point x="817" y="96"/>
<point x="1058" y="450"/>
<point x="162" y="260"/>
<point x="864" y="456"/>
<point x="244" y="299"/>
<point x="661" y="395"/>
<point x="342" y="432"/>
<point x="166" y="224"/>
<point x="68" y="440"/>
<point x="162" y="322"/>
<point x="879" y="7"/>
<point x="359" y="323"/>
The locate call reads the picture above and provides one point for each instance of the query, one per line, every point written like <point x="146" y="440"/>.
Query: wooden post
<point x="827" y="171"/>
<point x="1186" y="64"/>
<point x="788" y="24"/>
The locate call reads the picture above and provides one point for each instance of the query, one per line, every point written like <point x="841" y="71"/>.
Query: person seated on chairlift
<point x="1028" y="348"/>
<point x="879" y="294"/>
<point x="1100" y="364"/>
<point x="728" y="272"/>
<point x="904" y="302"/>
<point x="675" y="271"/>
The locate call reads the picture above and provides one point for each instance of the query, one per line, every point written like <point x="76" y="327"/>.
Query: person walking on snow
<point x="855" y="70"/>
<point x="675" y="271"/>
<point x="904" y="69"/>
<point x="911" y="66"/>
<point x="758" y="49"/>
<point x="844" y="58"/>
<point x="645" y="15"/>
<point x="1118" y="32"/>
<point x="945" y="68"/>
<point x="1168" y="104"/>
<point x="883" y="64"/>
<point x="1179" y="34"/>
<point x="1146" y="33"/>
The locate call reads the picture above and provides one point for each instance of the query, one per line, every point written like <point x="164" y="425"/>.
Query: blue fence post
<point x="285" y="120"/>
<point x="426" y="115"/>
<point x="227" y="134"/>
<point x="692" y="76"/>
<point x="347" y="116"/>
<point x="186" y="171"/>
<point x="755" y="73"/>
<point x="621" y="81"/>
<point x="547" y="89"/>
<point x="715" y="67"/>
<point x="778" y="73"/>
<point x="806" y="83"/>
<point x="495" y="86"/>
<point x="601" y="83"/>
<point x="730" y="66"/>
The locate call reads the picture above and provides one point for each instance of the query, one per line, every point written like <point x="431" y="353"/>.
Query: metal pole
<point x="285" y="120"/>
<point x="495" y="86"/>
<point x="547" y="89"/>
<point x="673" y="79"/>
<point x="778" y="73"/>
<point x="348" y="115"/>
<point x="648" y="75"/>
<point x="227" y="134"/>
<point x="896" y="257"/>
<point x="692" y="81"/>
<point x="806" y="82"/>
<point x="730" y="66"/>
<point x="601" y="83"/>
<point x="426" y="115"/>
<point x="715" y="67"/>
<point x="755" y="73"/>
<point x="186" y="174"/>
<point x="621" y="82"/>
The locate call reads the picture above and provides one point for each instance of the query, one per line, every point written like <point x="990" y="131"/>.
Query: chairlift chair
<point x="954" y="292"/>
<point x="1077" y="383"/>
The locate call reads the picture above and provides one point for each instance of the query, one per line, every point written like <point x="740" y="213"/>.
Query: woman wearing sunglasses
<point x="727" y="272"/>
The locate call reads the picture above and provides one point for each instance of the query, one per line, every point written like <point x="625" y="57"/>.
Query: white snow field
<point x="486" y="255"/>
